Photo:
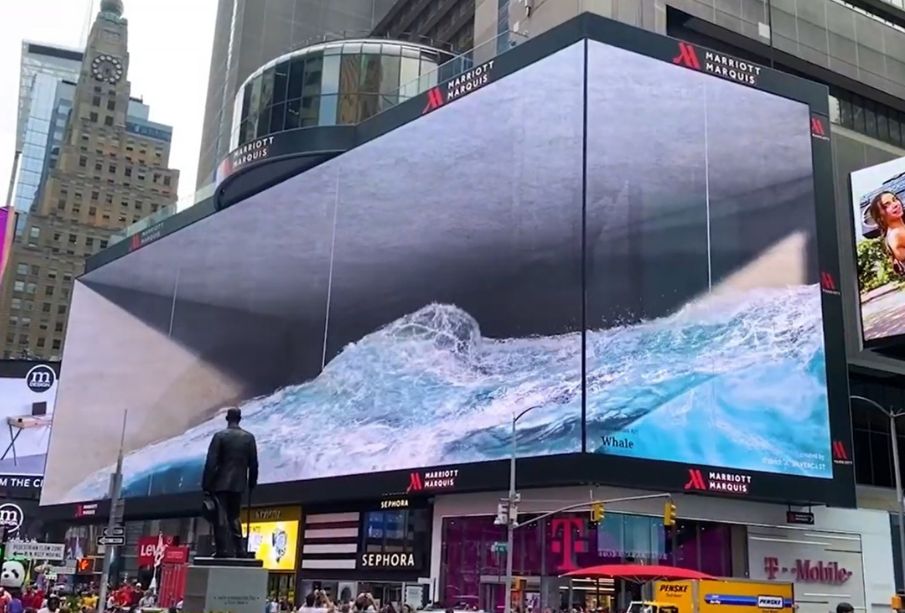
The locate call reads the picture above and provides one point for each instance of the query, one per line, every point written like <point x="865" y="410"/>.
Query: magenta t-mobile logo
<point x="568" y="540"/>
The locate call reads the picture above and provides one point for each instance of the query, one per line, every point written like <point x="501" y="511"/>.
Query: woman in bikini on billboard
<point x="886" y="211"/>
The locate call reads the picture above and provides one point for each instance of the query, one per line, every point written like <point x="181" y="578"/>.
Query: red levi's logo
<point x="434" y="100"/>
<point x="687" y="57"/>
<point x="818" y="128"/>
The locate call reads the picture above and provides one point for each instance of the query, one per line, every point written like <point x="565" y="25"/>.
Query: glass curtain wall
<point x="336" y="84"/>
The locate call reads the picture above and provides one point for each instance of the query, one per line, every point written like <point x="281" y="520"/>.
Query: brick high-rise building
<point x="109" y="171"/>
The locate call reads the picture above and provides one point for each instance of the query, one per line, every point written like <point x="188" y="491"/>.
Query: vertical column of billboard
<point x="647" y="258"/>
<point x="456" y="288"/>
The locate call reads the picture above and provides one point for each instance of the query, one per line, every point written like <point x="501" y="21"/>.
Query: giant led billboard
<point x="880" y="248"/>
<point x="27" y="392"/>
<point x="635" y="262"/>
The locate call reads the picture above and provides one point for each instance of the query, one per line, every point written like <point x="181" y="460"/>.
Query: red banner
<point x="147" y="546"/>
<point x="172" y="576"/>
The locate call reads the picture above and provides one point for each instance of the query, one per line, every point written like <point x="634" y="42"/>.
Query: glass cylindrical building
<point x="335" y="83"/>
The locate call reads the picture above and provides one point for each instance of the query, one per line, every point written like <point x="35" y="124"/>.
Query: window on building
<point x="57" y="343"/>
<point x="72" y="239"/>
<point x="61" y="204"/>
<point x="166" y="180"/>
<point x="111" y="105"/>
<point x="93" y="117"/>
<point x="112" y="169"/>
<point x="52" y="273"/>
<point x="108" y="120"/>
<point x="48" y="290"/>
<point x="19" y="286"/>
<point x="41" y="341"/>
<point x="35" y="269"/>
<point x="98" y="167"/>
<point x="83" y="162"/>
<point x="22" y="269"/>
<point x="58" y="327"/>
<point x="103" y="244"/>
<point x="45" y="308"/>
<point x="89" y="242"/>
<point x="96" y="101"/>
<point x="61" y="309"/>
<point x="95" y="196"/>
<point x="34" y="232"/>
<point x="30" y="288"/>
<point x="92" y="211"/>
<point x="15" y="304"/>
<point x="128" y="171"/>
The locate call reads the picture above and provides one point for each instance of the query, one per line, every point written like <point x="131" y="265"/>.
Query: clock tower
<point x="111" y="171"/>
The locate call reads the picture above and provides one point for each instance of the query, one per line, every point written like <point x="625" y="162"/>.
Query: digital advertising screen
<point x="274" y="543"/>
<point x="880" y="248"/>
<point x="27" y="393"/>
<point x="635" y="263"/>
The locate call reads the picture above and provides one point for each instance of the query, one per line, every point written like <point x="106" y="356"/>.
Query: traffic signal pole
<point x="116" y="515"/>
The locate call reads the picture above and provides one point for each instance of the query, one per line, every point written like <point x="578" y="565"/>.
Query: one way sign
<point x="115" y="531"/>
<point x="111" y="540"/>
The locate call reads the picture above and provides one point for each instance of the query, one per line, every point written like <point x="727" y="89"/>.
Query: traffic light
<point x="898" y="602"/>
<point x="597" y="512"/>
<point x="669" y="513"/>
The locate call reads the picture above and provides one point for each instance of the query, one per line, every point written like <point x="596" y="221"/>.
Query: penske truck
<point x="718" y="596"/>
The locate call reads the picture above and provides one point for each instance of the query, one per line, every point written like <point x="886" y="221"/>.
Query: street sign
<point x="103" y="541"/>
<point x="800" y="517"/>
<point x="115" y="531"/>
<point x="499" y="547"/>
<point x="52" y="552"/>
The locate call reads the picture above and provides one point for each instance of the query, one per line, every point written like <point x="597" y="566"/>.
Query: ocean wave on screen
<point x="712" y="382"/>
<point x="731" y="381"/>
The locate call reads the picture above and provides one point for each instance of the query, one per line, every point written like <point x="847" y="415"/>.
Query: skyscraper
<point x="42" y="69"/>
<point x="106" y="170"/>
<point x="249" y="33"/>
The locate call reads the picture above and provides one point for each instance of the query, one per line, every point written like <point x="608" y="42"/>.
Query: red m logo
<point x="817" y="128"/>
<point x="687" y="57"/>
<point x="135" y="242"/>
<point x="827" y="282"/>
<point x="839" y="451"/>
<point x="695" y="480"/>
<point x="434" y="100"/>
<point x="416" y="484"/>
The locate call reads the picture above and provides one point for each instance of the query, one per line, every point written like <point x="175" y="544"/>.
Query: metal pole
<point x="116" y="482"/>
<point x="510" y="521"/>
<point x="901" y="504"/>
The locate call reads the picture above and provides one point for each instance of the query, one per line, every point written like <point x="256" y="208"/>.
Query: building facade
<point x="106" y="170"/>
<point x="43" y="68"/>
<point x="249" y="34"/>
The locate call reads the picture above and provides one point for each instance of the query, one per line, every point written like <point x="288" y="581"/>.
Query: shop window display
<point x="473" y="569"/>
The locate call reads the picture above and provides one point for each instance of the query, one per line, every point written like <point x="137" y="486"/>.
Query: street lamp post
<point x="893" y="416"/>
<point x="510" y="516"/>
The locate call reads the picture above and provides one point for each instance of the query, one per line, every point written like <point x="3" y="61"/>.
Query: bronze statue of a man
<point x="230" y="470"/>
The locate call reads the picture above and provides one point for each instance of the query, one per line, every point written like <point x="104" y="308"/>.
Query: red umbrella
<point x="639" y="573"/>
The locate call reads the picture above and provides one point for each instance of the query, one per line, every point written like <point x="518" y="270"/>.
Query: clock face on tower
<point x="107" y="68"/>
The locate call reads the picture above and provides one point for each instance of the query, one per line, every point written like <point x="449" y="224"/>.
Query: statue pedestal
<point x="236" y="585"/>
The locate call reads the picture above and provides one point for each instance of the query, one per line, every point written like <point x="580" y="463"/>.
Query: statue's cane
<point x="247" y="518"/>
